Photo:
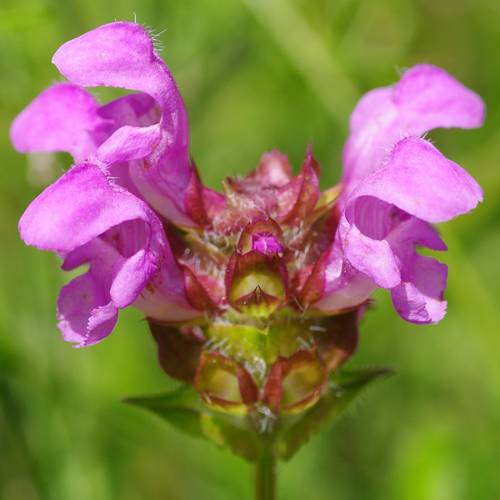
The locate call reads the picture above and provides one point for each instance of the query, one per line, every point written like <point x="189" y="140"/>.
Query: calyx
<point x="253" y="268"/>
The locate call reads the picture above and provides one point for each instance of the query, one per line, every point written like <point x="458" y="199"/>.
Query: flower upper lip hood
<point x="122" y="55"/>
<point x="272" y="240"/>
<point x="425" y="98"/>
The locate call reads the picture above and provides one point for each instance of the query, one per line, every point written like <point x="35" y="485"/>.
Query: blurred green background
<point x="259" y="74"/>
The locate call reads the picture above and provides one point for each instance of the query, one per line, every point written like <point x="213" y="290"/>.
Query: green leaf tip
<point x="183" y="409"/>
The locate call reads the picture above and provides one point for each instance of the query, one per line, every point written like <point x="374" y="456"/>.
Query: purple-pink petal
<point x="345" y="286"/>
<point x="373" y="257"/>
<point x="419" y="296"/>
<point x="119" y="54"/>
<point x="418" y="179"/>
<point x="437" y="100"/>
<point x="377" y="237"/>
<point x="128" y="144"/>
<point x="62" y="118"/>
<point x="139" y="109"/>
<point x="81" y="205"/>
<point x="425" y="98"/>
<point x="164" y="299"/>
<point x="85" y="312"/>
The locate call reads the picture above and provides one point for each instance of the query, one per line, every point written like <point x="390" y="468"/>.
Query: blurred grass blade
<point x="344" y="388"/>
<point x="310" y="54"/>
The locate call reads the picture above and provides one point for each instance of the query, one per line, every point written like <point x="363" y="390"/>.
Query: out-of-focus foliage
<point x="258" y="74"/>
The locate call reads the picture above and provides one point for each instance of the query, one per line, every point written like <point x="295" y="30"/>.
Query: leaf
<point x="180" y="408"/>
<point x="183" y="409"/>
<point x="344" y="387"/>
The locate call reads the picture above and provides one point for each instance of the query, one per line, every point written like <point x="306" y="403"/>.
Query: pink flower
<point x="272" y="247"/>
<point x="396" y="184"/>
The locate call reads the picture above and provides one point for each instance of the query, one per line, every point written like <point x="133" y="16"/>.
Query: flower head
<point x="252" y="294"/>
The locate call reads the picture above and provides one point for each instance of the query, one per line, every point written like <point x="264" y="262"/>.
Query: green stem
<point x="266" y="476"/>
